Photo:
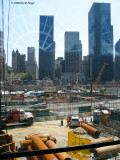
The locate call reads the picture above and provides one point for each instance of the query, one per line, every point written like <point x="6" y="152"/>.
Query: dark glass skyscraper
<point x="46" y="47"/>
<point x="73" y="50"/>
<point x="117" y="60"/>
<point x="101" y="40"/>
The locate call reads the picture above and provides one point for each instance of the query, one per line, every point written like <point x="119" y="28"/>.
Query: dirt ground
<point x="53" y="128"/>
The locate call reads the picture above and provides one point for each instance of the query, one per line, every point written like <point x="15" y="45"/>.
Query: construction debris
<point x="79" y="131"/>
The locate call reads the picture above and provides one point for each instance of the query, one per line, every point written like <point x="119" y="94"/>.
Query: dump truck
<point x="17" y="116"/>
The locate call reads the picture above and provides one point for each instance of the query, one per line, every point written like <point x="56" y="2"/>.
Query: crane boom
<point x="100" y="74"/>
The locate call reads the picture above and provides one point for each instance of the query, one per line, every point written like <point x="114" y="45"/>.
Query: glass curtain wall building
<point x="117" y="60"/>
<point x="31" y="54"/>
<point x="101" y="40"/>
<point x="46" y="47"/>
<point x="73" y="51"/>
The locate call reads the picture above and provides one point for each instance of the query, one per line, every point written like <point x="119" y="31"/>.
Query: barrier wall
<point x="74" y="140"/>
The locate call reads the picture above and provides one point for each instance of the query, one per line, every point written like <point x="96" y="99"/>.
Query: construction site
<point x="47" y="128"/>
<point x="63" y="109"/>
<point x="60" y="118"/>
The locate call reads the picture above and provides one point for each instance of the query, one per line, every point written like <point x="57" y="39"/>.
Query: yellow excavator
<point x="99" y="75"/>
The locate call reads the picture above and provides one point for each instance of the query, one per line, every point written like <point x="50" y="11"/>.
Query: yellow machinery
<point x="99" y="75"/>
<point x="7" y="144"/>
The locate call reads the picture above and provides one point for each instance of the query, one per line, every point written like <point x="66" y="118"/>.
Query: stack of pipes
<point x="107" y="150"/>
<point x="41" y="142"/>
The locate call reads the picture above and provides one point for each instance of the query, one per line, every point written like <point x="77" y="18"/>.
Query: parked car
<point x="39" y="106"/>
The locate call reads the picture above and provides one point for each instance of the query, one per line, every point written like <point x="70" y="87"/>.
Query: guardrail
<point x="57" y="150"/>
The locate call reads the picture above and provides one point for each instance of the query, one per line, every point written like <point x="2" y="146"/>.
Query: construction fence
<point x="74" y="140"/>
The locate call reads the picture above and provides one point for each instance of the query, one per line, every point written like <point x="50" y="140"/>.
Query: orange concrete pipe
<point x="39" y="135"/>
<point x="30" y="148"/>
<point x="90" y="129"/>
<point x="10" y="138"/>
<point x="60" y="156"/>
<point x="38" y="144"/>
<point x="25" y="143"/>
<point x="108" y="150"/>
<point x="102" y="140"/>
<point x="12" y="147"/>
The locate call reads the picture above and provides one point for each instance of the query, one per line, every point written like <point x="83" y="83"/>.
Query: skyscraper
<point x="73" y="52"/>
<point x="31" y="54"/>
<point x="117" y="60"/>
<point x="101" y="39"/>
<point x="18" y="62"/>
<point x="46" y="47"/>
<point x="31" y="65"/>
<point x="2" y="57"/>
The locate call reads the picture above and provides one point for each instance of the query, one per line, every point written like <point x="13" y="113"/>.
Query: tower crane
<point x="99" y="75"/>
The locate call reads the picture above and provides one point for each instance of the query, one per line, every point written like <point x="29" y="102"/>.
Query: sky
<point x="69" y="15"/>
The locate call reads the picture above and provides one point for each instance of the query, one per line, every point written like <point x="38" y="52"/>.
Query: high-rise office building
<point x="101" y="40"/>
<point x="18" y="62"/>
<point x="2" y="57"/>
<point x="73" y="52"/>
<point x="73" y="59"/>
<point x="31" y="65"/>
<point x="31" y="54"/>
<point x="46" y="47"/>
<point x="58" y="67"/>
<point x="117" y="60"/>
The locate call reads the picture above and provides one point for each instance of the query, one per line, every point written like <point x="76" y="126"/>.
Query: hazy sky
<point x="69" y="15"/>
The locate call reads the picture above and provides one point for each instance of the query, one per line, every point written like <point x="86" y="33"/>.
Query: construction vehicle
<point x="99" y="75"/>
<point x="74" y="121"/>
<point x="17" y="116"/>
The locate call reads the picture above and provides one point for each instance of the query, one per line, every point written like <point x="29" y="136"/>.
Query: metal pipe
<point x="90" y="130"/>
<point x="102" y="140"/>
<point x="38" y="144"/>
<point x="108" y="150"/>
<point x="60" y="156"/>
<point x="25" y="143"/>
<point x="57" y="150"/>
<point x="30" y="148"/>
<point x="38" y="135"/>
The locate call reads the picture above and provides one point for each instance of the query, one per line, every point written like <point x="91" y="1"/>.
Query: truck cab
<point x="17" y="116"/>
<point x="74" y="121"/>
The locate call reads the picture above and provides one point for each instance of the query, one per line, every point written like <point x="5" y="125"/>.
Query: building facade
<point x="58" y="67"/>
<point x="2" y="57"/>
<point x="117" y="60"/>
<point x="31" y="64"/>
<point x="100" y="40"/>
<point x="18" y="62"/>
<point x="73" y="52"/>
<point x="31" y="54"/>
<point x="67" y="78"/>
<point x="46" y="47"/>
<point x="85" y="67"/>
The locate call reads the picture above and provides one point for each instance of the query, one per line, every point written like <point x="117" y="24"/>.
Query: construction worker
<point x="61" y="119"/>
<point x="68" y="120"/>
